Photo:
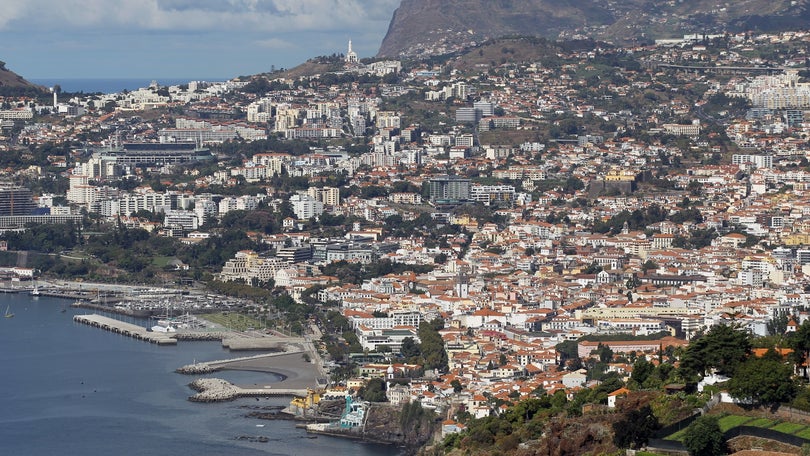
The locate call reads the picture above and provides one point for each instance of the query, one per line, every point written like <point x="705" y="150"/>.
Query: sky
<point x="182" y="38"/>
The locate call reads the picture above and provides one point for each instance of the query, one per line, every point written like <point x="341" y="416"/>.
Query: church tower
<point x="351" y="56"/>
<point x="462" y="283"/>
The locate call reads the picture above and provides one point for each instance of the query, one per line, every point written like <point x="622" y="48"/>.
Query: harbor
<point x="290" y="359"/>
<point x="130" y="300"/>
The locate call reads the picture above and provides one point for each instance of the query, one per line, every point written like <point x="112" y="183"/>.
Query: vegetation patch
<point x="732" y="421"/>
<point x="761" y="422"/>
<point x="804" y="433"/>
<point x="788" y="428"/>
<point x="234" y="321"/>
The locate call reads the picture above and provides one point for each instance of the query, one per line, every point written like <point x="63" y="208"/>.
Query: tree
<point x="635" y="429"/>
<point x="432" y="345"/>
<point x="767" y="380"/>
<point x="642" y="370"/>
<point x="373" y="391"/>
<point x="800" y="343"/>
<point x="409" y="348"/>
<point x="723" y="348"/>
<point x="457" y="386"/>
<point x="649" y="265"/>
<point x="777" y="325"/>
<point x="704" y="438"/>
<point x="604" y="353"/>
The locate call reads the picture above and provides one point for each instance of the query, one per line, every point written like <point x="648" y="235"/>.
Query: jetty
<point x="212" y="366"/>
<point x="126" y="329"/>
<point x="218" y="390"/>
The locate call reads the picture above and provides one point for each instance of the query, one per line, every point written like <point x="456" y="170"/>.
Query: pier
<point x="213" y="366"/>
<point x="126" y="329"/>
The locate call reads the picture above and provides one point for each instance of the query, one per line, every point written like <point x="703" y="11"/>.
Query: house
<point x="576" y="378"/>
<point x="451" y="427"/>
<point x="398" y="394"/>
<point x="614" y="396"/>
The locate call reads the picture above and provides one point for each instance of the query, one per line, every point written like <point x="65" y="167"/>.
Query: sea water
<point x="114" y="85"/>
<point x="72" y="389"/>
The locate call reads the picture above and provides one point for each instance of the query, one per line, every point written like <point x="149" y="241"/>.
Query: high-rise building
<point x="16" y="201"/>
<point x="329" y="196"/>
<point x="487" y="108"/>
<point x="305" y="206"/>
<point x="468" y="114"/>
<point x="449" y="188"/>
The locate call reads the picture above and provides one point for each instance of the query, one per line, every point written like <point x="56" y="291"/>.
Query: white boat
<point x="164" y="325"/>
<point x="163" y="328"/>
<point x="8" y="313"/>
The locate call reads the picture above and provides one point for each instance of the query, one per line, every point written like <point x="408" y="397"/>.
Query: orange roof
<point x="760" y="352"/>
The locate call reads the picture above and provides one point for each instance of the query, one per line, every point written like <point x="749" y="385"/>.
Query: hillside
<point x="432" y="27"/>
<point x="13" y="84"/>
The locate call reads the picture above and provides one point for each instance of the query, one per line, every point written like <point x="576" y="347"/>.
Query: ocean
<point x="94" y="85"/>
<point x="69" y="389"/>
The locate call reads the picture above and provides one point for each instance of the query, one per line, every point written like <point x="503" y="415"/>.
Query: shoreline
<point x="296" y="373"/>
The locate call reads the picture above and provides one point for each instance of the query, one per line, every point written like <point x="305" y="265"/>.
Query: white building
<point x="305" y="206"/>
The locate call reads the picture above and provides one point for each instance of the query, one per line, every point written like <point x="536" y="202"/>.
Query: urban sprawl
<point x="641" y="191"/>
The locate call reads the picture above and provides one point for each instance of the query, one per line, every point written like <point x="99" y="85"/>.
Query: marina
<point x="130" y="300"/>
<point x="67" y="378"/>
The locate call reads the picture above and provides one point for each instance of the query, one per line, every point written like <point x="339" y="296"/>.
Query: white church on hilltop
<point x="379" y="68"/>
<point x="351" y="56"/>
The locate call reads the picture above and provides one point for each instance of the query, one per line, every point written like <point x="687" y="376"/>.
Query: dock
<point x="126" y="329"/>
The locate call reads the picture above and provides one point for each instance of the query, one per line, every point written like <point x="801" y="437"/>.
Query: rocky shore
<point x="197" y="369"/>
<point x="213" y="390"/>
<point x="218" y="390"/>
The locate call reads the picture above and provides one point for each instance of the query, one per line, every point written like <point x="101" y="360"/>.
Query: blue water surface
<point x="113" y="85"/>
<point x="71" y="389"/>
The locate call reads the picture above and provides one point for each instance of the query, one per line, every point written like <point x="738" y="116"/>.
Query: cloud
<point x="44" y="38"/>
<point x="275" y="43"/>
<point x="196" y="15"/>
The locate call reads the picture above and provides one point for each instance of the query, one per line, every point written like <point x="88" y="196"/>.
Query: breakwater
<point x="213" y="366"/>
<point x="126" y="329"/>
<point x="218" y="390"/>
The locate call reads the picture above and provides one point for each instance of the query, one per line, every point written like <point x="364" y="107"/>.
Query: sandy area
<point x="298" y="373"/>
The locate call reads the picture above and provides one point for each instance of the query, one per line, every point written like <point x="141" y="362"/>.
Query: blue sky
<point x="182" y="38"/>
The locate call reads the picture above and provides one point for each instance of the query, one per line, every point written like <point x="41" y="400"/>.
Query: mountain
<point x="12" y="83"/>
<point x="429" y="27"/>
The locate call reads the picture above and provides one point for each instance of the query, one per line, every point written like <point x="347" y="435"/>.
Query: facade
<point x="450" y="188"/>
<point x="329" y="196"/>
<point x="493" y="194"/>
<point x="305" y="206"/>
<point x="16" y="201"/>
<point x="185" y="220"/>
<point x="155" y="154"/>
<point x="248" y="266"/>
<point x="468" y="115"/>
<point x="18" y="221"/>
<point x="16" y="114"/>
<point x="682" y="130"/>
<point x="760" y="161"/>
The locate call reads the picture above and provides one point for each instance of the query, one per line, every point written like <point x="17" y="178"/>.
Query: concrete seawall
<point x="126" y="329"/>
